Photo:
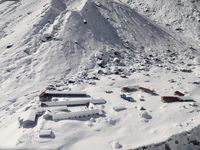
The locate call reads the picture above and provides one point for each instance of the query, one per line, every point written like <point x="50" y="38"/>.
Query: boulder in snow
<point x="46" y="37"/>
<point x="98" y="4"/>
<point x="115" y="145"/>
<point x="146" y="115"/>
<point x="9" y="45"/>
<point x="109" y="91"/>
<point x="141" y="108"/>
<point x="116" y="61"/>
<point x="85" y="21"/>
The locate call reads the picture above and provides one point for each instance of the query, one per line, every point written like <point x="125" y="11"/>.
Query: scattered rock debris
<point x="98" y="4"/>
<point x="46" y="37"/>
<point x="186" y="70"/>
<point x="141" y="108"/>
<point x="195" y="82"/>
<point x="109" y="91"/>
<point x="142" y="98"/>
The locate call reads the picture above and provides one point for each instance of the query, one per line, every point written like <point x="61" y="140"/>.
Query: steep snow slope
<point x="23" y="27"/>
<point x="50" y="39"/>
<point x="180" y="16"/>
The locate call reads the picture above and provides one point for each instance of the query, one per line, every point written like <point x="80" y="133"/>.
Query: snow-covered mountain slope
<point x="49" y="39"/>
<point x="184" y="140"/>
<point x="180" y="16"/>
<point x="54" y="41"/>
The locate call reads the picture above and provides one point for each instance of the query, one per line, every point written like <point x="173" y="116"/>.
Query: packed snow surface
<point x="99" y="47"/>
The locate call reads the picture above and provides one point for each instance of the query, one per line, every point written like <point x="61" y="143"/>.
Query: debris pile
<point x="146" y="116"/>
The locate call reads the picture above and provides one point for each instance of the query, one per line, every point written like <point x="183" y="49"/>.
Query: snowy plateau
<point x="100" y="74"/>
